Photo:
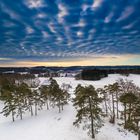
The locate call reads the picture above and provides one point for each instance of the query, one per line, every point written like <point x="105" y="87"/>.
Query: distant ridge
<point x="71" y="68"/>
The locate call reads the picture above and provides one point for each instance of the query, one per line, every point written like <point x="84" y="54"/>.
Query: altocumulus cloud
<point x="69" y="30"/>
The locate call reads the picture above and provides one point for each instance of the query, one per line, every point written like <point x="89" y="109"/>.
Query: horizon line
<point x="71" y="66"/>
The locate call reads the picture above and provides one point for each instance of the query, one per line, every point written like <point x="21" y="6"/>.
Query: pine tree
<point x="109" y="89"/>
<point x="64" y="98"/>
<point x="66" y="87"/>
<point x="132" y="112"/>
<point x="44" y="92"/>
<point x="102" y="92"/>
<point x="88" y="110"/>
<point x="78" y="89"/>
<point x="58" y="97"/>
<point x="29" y="101"/>
<point x="20" y="99"/>
<point x="115" y="88"/>
<point x="128" y="101"/>
<point x="8" y="96"/>
<point x="9" y="105"/>
<point x="136" y="117"/>
<point x="38" y="100"/>
<point x="78" y="99"/>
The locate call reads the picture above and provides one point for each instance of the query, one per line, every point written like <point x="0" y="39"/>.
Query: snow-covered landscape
<point x="70" y="70"/>
<point x="51" y="125"/>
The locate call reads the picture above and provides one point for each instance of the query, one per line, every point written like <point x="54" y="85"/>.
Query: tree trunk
<point x="138" y="135"/>
<point x="129" y="115"/>
<point x="47" y="105"/>
<point x="91" y="117"/>
<point x="31" y="110"/>
<point x="138" y="132"/>
<point x="59" y="106"/>
<point x="125" y="114"/>
<point x="13" y="119"/>
<point x="62" y="107"/>
<point x="20" y="113"/>
<point x="117" y="105"/>
<point x="113" y="108"/>
<point x="35" y="109"/>
<point x="106" y="107"/>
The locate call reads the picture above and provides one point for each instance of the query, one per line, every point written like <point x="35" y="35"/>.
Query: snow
<point x="100" y="83"/>
<point x="51" y="125"/>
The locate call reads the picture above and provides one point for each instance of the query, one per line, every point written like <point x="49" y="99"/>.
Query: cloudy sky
<point x="69" y="32"/>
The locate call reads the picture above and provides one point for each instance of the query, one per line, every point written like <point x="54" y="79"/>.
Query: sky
<point x="69" y="32"/>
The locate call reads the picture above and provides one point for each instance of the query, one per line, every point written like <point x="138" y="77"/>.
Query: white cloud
<point x="128" y="26"/>
<point x="84" y="7"/>
<point x="11" y="13"/>
<point x="68" y="35"/>
<point x="41" y="15"/>
<point x="92" y="31"/>
<point x="133" y="32"/>
<point x="59" y="39"/>
<point x="97" y="3"/>
<point x="69" y="43"/>
<point x="125" y="14"/>
<point x="34" y="51"/>
<point x="5" y="59"/>
<point x="51" y="27"/>
<point x="81" y="23"/>
<point x="91" y="34"/>
<point x="45" y="34"/>
<point x="79" y="33"/>
<point x="109" y="17"/>
<point x="22" y="44"/>
<point x="84" y="44"/>
<point x="34" y="3"/>
<point x="62" y="12"/>
<point x="29" y="30"/>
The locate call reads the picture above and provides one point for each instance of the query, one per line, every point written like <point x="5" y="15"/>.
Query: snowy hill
<point x="51" y="125"/>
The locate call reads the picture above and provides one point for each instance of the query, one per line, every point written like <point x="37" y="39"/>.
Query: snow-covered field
<point x="51" y="125"/>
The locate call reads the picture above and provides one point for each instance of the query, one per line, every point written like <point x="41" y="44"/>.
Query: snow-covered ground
<point x="51" y="125"/>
